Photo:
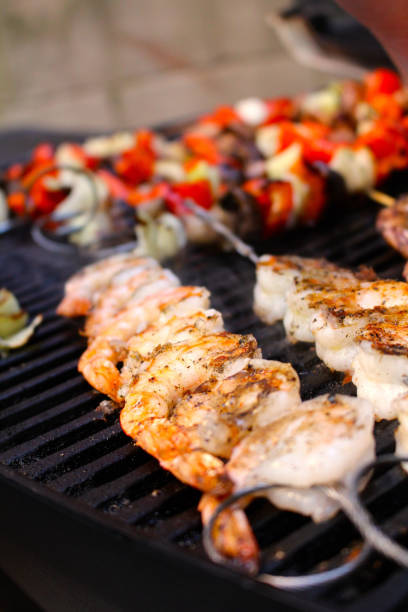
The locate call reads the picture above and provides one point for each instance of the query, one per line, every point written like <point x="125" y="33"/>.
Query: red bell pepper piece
<point x="316" y="199"/>
<point x="223" y="116"/>
<point x="140" y="195"/>
<point x="202" y="147"/>
<point x="257" y="188"/>
<point x="275" y="201"/>
<point x="136" y="165"/>
<point x="44" y="200"/>
<point x="43" y="152"/>
<point x="321" y="149"/>
<point x="279" y="109"/>
<point x="277" y="212"/>
<point x="116" y="187"/>
<point x="144" y="140"/>
<point x="17" y="203"/>
<point x="34" y="172"/>
<point x="383" y="140"/>
<point x="174" y="203"/>
<point x="288" y="134"/>
<point x="14" y="172"/>
<point x="381" y="81"/>
<point x="386" y="107"/>
<point x="199" y="191"/>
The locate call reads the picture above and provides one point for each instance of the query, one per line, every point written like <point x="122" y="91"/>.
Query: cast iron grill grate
<point x="51" y="431"/>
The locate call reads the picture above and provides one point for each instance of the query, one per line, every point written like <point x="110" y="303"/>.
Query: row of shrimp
<point x="358" y="323"/>
<point x="206" y="404"/>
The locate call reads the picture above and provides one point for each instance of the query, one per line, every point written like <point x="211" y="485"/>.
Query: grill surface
<point x="53" y="439"/>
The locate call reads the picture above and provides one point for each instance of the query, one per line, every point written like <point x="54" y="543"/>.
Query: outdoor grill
<point x="91" y="522"/>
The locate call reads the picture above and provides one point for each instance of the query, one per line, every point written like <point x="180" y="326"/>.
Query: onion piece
<point x="13" y="329"/>
<point x="160" y="237"/>
<point x="4" y="209"/>
<point x="21" y="337"/>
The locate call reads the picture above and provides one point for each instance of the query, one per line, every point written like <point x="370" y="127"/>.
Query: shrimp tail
<point x="98" y="365"/>
<point x="74" y="306"/>
<point x="232" y="535"/>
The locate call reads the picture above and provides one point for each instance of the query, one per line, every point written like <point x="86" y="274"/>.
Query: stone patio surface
<point x="108" y="64"/>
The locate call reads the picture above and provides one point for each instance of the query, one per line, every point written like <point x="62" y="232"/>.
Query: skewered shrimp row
<point x="204" y="402"/>
<point x="359" y="325"/>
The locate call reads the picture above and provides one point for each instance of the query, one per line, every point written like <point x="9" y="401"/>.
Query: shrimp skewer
<point x="358" y="326"/>
<point x="353" y="320"/>
<point x="194" y="394"/>
<point x="236" y="537"/>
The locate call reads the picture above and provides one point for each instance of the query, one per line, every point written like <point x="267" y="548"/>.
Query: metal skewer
<point x="240" y="246"/>
<point x="279" y="581"/>
<point x="381" y="198"/>
<point x="352" y="506"/>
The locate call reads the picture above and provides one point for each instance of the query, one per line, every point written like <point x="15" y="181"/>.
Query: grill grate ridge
<point x="101" y="471"/>
<point x="28" y="440"/>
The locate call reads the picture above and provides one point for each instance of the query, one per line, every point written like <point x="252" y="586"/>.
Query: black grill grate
<point x="51" y="433"/>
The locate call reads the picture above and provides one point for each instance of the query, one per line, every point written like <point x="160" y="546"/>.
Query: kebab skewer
<point x="193" y="394"/>
<point x="359" y="326"/>
<point x="255" y="165"/>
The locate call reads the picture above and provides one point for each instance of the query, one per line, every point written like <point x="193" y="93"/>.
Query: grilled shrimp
<point x="83" y="289"/>
<point x="165" y="330"/>
<point x="380" y="367"/>
<point x="131" y="283"/>
<point x="173" y="371"/>
<point x="339" y="318"/>
<point x="382" y="293"/>
<point x="321" y="443"/>
<point x="372" y="346"/>
<point x="98" y="363"/>
<point x="280" y="277"/>
<point x="295" y="289"/>
<point x="332" y="316"/>
<point x="221" y="412"/>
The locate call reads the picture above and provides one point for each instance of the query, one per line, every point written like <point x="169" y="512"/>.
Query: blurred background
<point x="106" y="64"/>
